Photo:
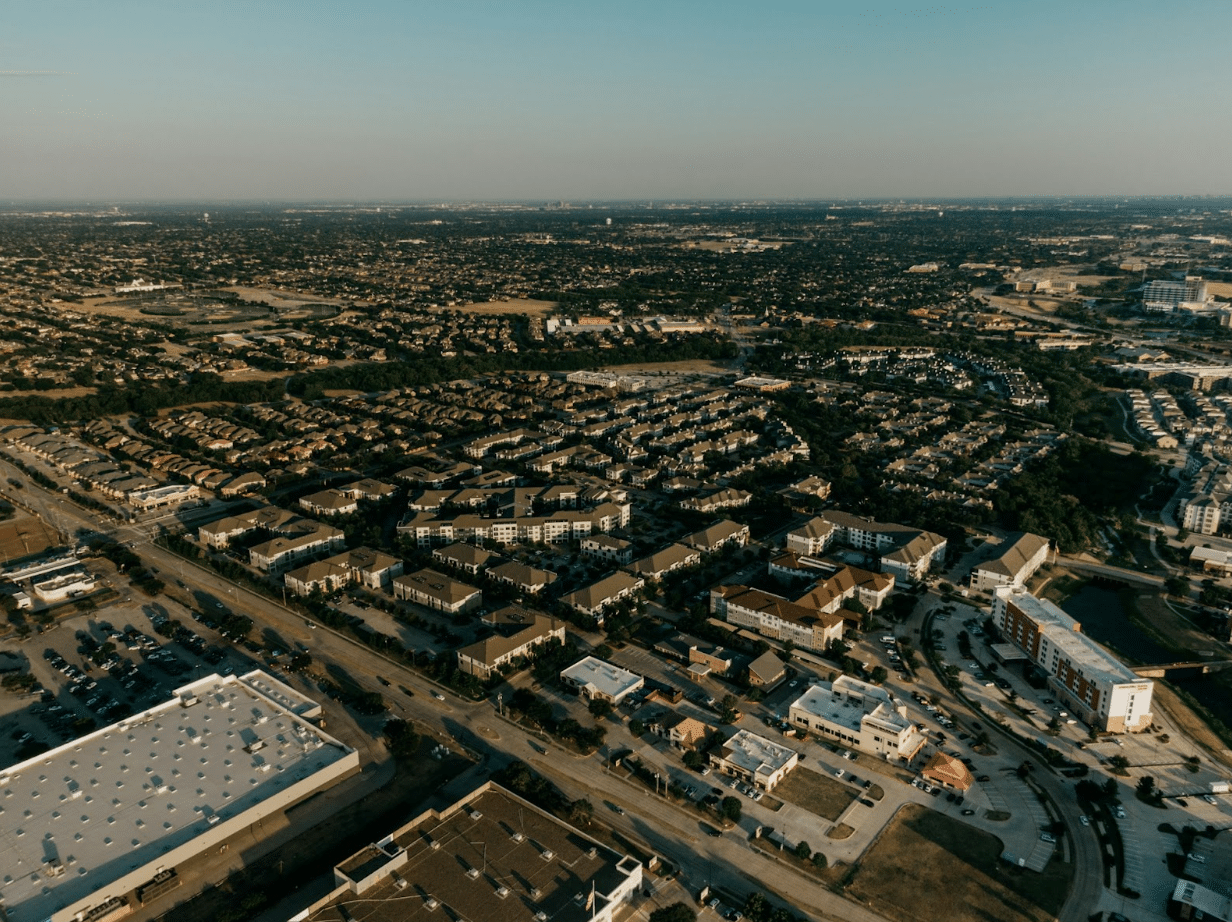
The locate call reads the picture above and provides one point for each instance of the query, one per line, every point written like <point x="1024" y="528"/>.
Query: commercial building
<point x="1097" y="687"/>
<point x="97" y="827"/>
<point x="489" y="856"/>
<point x="1013" y="566"/>
<point x="755" y="759"/>
<point x="863" y="716"/>
<point x="594" y="679"/>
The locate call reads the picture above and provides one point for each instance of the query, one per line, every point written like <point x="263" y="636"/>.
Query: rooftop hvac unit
<point x="399" y="880"/>
<point x="473" y="873"/>
<point x="502" y="892"/>
<point x="518" y="837"/>
<point x="431" y="903"/>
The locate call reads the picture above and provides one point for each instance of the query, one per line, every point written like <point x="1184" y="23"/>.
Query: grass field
<point x="927" y="865"/>
<point x="25" y="535"/>
<point x="816" y="793"/>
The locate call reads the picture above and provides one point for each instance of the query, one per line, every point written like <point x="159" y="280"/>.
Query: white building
<point x="592" y="678"/>
<point x="1100" y="689"/>
<point x="1013" y="566"/>
<point x="755" y="759"/>
<point x="863" y="716"/>
<point x="103" y="816"/>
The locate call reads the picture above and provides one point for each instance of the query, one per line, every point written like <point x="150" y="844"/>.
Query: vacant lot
<point x="528" y="306"/>
<point x="25" y="535"/>
<point x="926" y="865"/>
<point x="815" y="793"/>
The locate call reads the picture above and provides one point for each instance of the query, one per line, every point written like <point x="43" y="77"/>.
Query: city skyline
<point x="545" y="101"/>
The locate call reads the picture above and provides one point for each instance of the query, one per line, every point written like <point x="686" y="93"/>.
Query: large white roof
<point x="83" y="815"/>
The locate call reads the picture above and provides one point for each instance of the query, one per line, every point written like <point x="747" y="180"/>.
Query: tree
<point x="694" y="759"/>
<point x="1119" y="765"/>
<point x="600" y="707"/>
<point x="637" y="727"/>
<point x="581" y="812"/>
<point x="730" y="808"/>
<point x="677" y="912"/>
<point x="1146" y="787"/>
<point x="728" y="712"/>
<point x="802" y="850"/>
<point x="879" y="675"/>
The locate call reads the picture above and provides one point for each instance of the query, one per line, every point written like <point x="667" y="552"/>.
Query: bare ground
<point x="929" y="866"/>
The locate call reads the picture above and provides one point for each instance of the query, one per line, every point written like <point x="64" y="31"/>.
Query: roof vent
<point x="431" y="903"/>
<point x="433" y="844"/>
<point x="594" y="852"/>
<point x="473" y="873"/>
<point x="399" y="880"/>
<point x="547" y="854"/>
<point x="541" y="916"/>
<point x="518" y="837"/>
<point x="476" y="815"/>
<point x="502" y="892"/>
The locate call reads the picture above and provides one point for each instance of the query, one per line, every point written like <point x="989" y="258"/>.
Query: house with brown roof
<point x="948" y="772"/>
<point x="1013" y="566"/>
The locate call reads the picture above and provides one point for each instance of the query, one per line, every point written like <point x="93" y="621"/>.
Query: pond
<point x="1103" y="618"/>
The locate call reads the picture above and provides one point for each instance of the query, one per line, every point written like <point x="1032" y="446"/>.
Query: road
<point x="671" y="831"/>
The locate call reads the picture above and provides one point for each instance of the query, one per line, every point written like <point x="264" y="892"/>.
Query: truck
<point x="1218" y="787"/>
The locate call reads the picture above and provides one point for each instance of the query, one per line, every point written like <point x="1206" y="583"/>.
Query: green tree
<point x="1146" y="787"/>
<point x="581" y="812"/>
<point x="879" y="675"/>
<point x="730" y="808"/>
<point x="728" y="712"/>
<point x="802" y="850"/>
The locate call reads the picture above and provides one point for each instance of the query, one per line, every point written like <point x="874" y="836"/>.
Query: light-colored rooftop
<point x="611" y="681"/>
<point x="120" y="798"/>
<point x="756" y="754"/>
<point x="1084" y="654"/>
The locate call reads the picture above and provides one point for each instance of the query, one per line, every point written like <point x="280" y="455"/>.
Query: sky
<point x="242" y="100"/>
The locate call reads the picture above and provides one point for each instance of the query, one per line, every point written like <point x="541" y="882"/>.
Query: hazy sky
<point x="462" y="99"/>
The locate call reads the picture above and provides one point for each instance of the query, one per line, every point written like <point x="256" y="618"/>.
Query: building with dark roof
<point x="490" y="856"/>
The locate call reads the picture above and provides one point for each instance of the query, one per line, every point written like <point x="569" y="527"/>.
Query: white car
<point x="438" y="696"/>
<point x="1084" y="821"/>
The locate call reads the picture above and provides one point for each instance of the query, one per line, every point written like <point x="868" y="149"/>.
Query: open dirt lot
<point x="929" y="866"/>
<point x="25" y="534"/>
<point x="816" y="793"/>
<point x="528" y="306"/>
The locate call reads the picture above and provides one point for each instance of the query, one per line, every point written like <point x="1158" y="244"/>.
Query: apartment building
<point x="1098" y="688"/>
<point x="775" y="617"/>
<point x="1016" y="563"/>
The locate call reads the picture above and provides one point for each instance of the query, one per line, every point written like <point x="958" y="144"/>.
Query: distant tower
<point x="206" y="218"/>
<point x="608" y="222"/>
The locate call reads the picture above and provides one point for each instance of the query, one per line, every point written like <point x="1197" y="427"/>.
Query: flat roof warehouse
<point x="85" y="824"/>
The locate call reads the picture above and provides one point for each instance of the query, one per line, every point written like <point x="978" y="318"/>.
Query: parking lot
<point x="93" y="669"/>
